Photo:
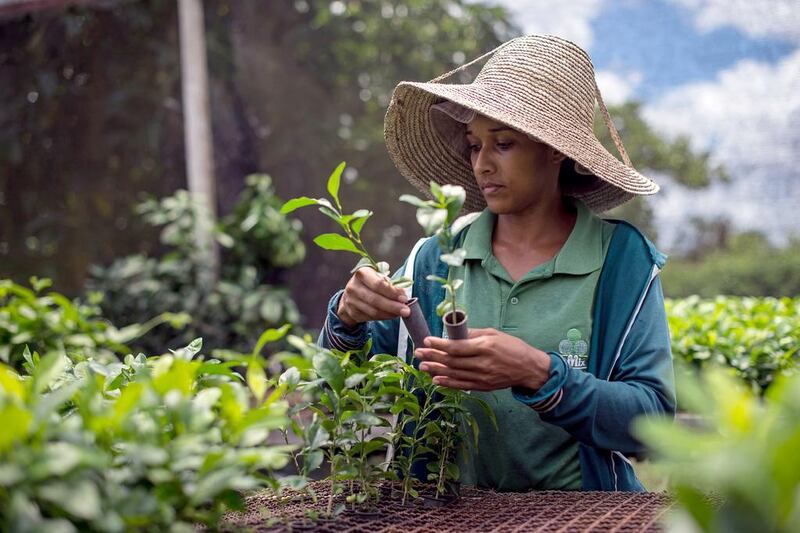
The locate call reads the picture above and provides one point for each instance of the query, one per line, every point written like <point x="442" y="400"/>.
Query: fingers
<point x="442" y="371"/>
<point x="440" y="357"/>
<point x="380" y="285"/>
<point x="480" y="332"/>
<point x="369" y="296"/>
<point x="461" y="348"/>
<point x="461" y="384"/>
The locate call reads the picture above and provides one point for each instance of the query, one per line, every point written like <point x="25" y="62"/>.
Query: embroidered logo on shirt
<point x="574" y="349"/>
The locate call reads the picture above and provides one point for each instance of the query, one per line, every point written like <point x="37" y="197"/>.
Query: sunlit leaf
<point x="333" y="183"/>
<point x="334" y="241"/>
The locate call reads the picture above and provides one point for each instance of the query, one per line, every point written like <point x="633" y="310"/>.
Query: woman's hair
<point x="573" y="182"/>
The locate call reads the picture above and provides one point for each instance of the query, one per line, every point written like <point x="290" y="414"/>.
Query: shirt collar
<point x="582" y="253"/>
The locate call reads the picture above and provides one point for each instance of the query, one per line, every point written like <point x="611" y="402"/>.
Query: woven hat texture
<point x="543" y="86"/>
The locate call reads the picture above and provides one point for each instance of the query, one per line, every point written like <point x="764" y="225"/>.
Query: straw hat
<point x="543" y="86"/>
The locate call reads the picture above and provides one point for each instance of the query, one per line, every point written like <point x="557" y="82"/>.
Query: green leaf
<point x="402" y="282"/>
<point x="297" y="203"/>
<point x="16" y="423"/>
<point x="327" y="367"/>
<point x="413" y="200"/>
<point x="51" y="367"/>
<point x="81" y="499"/>
<point x="294" y="482"/>
<point x="334" y="241"/>
<point x="360" y="217"/>
<point x="256" y="379"/>
<point x="437" y="192"/>
<point x="354" y="380"/>
<point x="454" y="259"/>
<point x="192" y="349"/>
<point x="463" y="221"/>
<point x="333" y="183"/>
<point x="291" y="377"/>
<point x="431" y="219"/>
<point x="270" y="335"/>
<point x="363" y="262"/>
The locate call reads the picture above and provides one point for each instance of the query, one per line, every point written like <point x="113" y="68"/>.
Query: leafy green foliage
<point x="147" y="444"/>
<point x="744" y="454"/>
<point x="757" y="337"/>
<point x="432" y="423"/>
<point x="353" y="398"/>
<point x="37" y="320"/>
<point x="258" y="243"/>
<point x="744" y="264"/>
<point x="350" y="224"/>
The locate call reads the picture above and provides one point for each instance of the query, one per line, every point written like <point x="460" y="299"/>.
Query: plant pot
<point x="440" y="501"/>
<point x="456" y="324"/>
<point x="415" y="323"/>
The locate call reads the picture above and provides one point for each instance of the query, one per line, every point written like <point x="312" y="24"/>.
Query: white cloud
<point x="570" y="20"/>
<point x="749" y="118"/>
<point x="617" y="88"/>
<point x="756" y="18"/>
<point x="748" y="115"/>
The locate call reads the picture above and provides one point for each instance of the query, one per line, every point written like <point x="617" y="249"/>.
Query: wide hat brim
<point x="422" y="156"/>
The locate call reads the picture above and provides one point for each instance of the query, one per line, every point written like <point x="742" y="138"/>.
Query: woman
<point x="568" y="340"/>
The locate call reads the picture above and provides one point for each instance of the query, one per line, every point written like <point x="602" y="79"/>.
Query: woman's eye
<point x="505" y="145"/>
<point x="474" y="148"/>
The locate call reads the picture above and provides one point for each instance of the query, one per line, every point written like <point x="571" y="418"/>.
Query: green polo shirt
<point x="550" y="308"/>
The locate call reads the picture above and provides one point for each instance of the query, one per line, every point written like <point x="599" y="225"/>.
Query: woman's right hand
<point x="368" y="296"/>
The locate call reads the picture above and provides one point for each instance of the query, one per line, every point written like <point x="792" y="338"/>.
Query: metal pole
<point x="197" y="133"/>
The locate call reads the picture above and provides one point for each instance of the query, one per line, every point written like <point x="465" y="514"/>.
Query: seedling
<point x="350" y="224"/>
<point x="439" y="217"/>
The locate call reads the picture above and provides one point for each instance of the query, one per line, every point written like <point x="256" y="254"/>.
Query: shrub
<point x="148" y="444"/>
<point x="33" y="319"/>
<point x="257" y="243"/>
<point x="757" y="337"/>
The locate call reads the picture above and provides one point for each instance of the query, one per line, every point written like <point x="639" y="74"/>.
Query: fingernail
<point x="423" y="367"/>
<point x="427" y="341"/>
<point x="405" y="311"/>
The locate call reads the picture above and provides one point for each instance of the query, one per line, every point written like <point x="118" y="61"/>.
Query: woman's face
<point x="514" y="172"/>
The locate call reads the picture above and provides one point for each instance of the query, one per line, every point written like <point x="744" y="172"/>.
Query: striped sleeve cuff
<point x="337" y="334"/>
<point x="551" y="393"/>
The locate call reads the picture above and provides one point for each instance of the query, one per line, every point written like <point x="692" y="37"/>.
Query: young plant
<point x="351" y="401"/>
<point x="351" y="225"/>
<point x="439" y="217"/>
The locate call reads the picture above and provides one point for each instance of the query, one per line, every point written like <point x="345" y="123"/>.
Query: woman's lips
<point x="491" y="188"/>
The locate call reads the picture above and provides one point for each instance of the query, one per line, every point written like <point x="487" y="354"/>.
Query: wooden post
<point x="197" y="132"/>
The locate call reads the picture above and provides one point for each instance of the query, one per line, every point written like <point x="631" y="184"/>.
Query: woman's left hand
<point x="487" y="360"/>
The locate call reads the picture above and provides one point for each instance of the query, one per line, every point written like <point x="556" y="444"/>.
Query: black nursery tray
<point x="476" y="510"/>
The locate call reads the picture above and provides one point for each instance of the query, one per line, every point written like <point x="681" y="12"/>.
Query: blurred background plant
<point x="258" y="243"/>
<point x="39" y="320"/>
<point x="757" y="337"/>
<point x="739" y="470"/>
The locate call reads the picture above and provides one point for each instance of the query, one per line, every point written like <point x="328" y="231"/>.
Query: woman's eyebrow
<point x="494" y="130"/>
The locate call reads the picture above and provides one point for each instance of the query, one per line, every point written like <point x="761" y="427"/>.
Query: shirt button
<point x="514" y="300"/>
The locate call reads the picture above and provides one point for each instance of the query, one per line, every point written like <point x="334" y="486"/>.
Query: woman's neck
<point x="545" y="225"/>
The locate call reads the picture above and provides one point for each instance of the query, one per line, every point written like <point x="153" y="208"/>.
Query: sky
<point x="725" y="73"/>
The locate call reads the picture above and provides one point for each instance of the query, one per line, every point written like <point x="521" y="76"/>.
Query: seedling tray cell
<point x="476" y="510"/>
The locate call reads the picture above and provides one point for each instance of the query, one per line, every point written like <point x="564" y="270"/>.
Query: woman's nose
<point x="482" y="163"/>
